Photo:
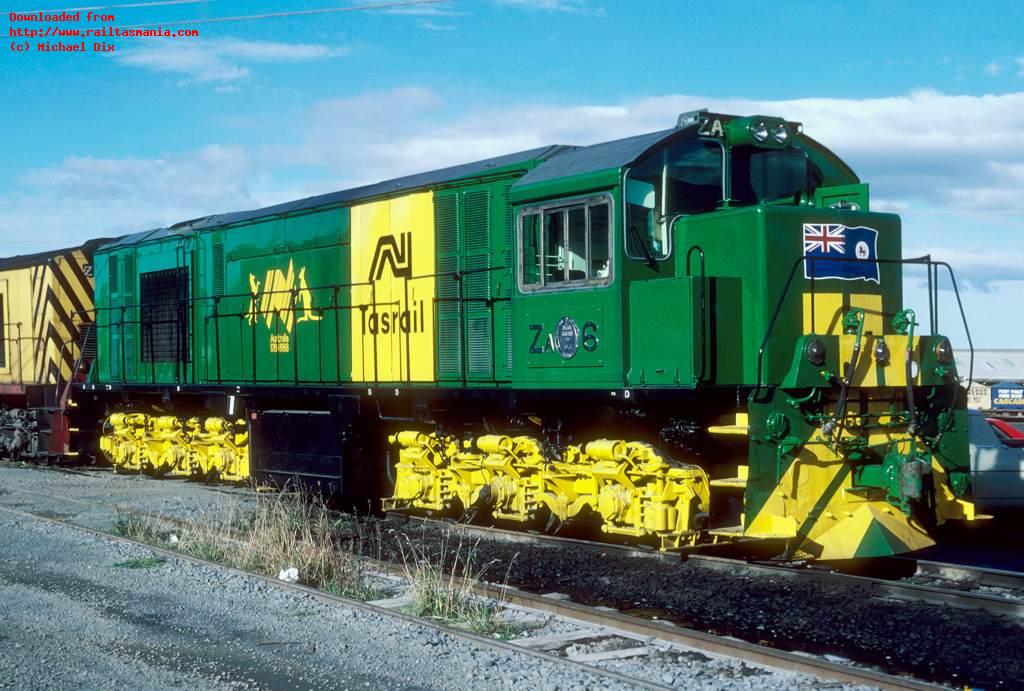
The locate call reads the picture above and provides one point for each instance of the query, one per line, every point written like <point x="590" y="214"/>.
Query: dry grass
<point x="442" y="586"/>
<point x="296" y="530"/>
<point x="289" y="530"/>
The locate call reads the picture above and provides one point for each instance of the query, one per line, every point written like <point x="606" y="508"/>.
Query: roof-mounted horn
<point x="689" y="118"/>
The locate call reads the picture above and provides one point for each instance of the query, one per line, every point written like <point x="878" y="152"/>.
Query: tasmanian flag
<point x="833" y="250"/>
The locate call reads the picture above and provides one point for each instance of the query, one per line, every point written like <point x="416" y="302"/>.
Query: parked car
<point x="997" y="462"/>
<point x="1007" y="432"/>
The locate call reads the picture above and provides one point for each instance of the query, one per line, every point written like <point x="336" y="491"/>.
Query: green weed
<point x="150" y="562"/>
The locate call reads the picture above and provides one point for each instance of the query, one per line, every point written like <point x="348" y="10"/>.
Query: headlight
<point x="759" y="131"/>
<point x="779" y="134"/>
<point x="943" y="352"/>
<point x="815" y="352"/>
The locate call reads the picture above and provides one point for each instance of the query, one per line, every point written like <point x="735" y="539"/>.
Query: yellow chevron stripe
<point x="79" y="292"/>
<point x="40" y="307"/>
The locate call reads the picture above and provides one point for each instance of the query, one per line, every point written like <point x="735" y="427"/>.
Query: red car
<point x="1007" y="433"/>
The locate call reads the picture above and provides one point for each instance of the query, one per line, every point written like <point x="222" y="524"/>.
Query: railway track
<point x="954" y="585"/>
<point x="637" y="636"/>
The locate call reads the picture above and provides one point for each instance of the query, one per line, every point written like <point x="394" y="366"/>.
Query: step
<point x="740" y="428"/>
<point x="735" y="482"/>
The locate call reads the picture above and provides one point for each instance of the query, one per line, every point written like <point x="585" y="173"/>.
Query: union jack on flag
<point x="834" y="250"/>
<point x="824" y="238"/>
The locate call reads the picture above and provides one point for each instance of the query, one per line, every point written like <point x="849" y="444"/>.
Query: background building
<point x="998" y="381"/>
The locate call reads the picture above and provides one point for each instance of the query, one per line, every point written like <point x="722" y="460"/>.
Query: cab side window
<point x="565" y="245"/>
<point x="530" y="244"/>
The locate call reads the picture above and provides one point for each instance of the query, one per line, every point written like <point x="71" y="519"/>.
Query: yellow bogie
<point x="166" y="445"/>
<point x="629" y="485"/>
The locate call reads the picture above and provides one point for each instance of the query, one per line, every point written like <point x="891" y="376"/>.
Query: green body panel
<point x="474" y="236"/>
<point x="854" y="196"/>
<point x="310" y="252"/>
<point x="761" y="247"/>
<point x="664" y="334"/>
<point x="306" y="257"/>
<point x="121" y="329"/>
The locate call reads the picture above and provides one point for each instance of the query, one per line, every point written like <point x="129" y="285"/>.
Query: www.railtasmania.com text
<point x="59" y="29"/>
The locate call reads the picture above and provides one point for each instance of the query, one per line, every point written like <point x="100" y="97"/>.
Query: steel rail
<point x="720" y="645"/>
<point x="978" y="576"/>
<point x="880" y="587"/>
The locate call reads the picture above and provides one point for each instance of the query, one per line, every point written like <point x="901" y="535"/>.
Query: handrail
<point x="703" y="309"/>
<point x="192" y="305"/>
<point x="926" y="261"/>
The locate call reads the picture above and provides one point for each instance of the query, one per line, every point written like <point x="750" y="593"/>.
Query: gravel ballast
<point x="73" y="618"/>
<point x="86" y="611"/>
<point x="934" y="643"/>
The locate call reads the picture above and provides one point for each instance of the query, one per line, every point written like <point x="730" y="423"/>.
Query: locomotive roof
<point x="554" y="162"/>
<point x="588" y="159"/>
<point x="408" y="182"/>
<point x="611" y="157"/>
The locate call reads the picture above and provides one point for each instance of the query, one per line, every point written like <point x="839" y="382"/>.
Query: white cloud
<point x="548" y="5"/>
<point x="1020" y="62"/>
<point x="923" y="150"/>
<point x="434" y="26"/>
<point x="993" y="69"/>
<point x="94" y="197"/>
<point x="219" y="61"/>
<point x="425" y="11"/>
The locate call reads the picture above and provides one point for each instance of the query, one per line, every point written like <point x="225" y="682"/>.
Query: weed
<point x="137" y="526"/>
<point x="445" y="591"/>
<point x="278" y="532"/>
<point x="150" y="562"/>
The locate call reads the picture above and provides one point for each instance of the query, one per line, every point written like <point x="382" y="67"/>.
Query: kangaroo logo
<point x="389" y="251"/>
<point x="278" y="297"/>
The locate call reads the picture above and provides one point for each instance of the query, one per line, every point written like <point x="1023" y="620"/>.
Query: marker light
<point x="943" y="352"/>
<point x="815" y="353"/>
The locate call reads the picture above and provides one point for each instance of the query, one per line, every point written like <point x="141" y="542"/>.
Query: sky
<point x="925" y="100"/>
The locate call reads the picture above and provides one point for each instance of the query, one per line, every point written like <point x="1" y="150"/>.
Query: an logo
<point x="407" y="319"/>
<point x="389" y="251"/>
<point x="392" y="302"/>
<point x="276" y="299"/>
<point x="832" y="250"/>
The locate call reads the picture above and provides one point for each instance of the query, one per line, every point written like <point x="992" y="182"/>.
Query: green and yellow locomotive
<point x="691" y="335"/>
